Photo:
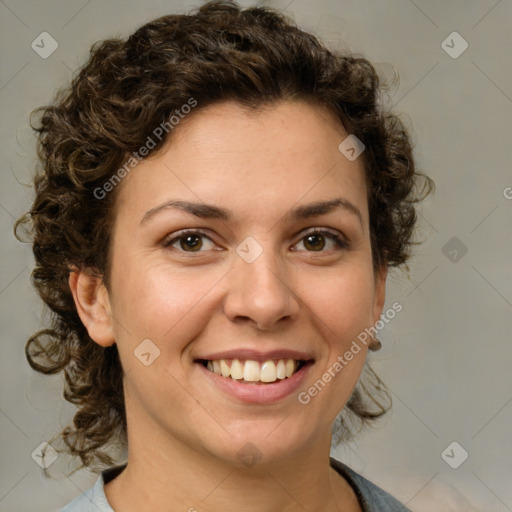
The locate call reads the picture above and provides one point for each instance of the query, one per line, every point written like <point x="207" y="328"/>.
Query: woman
<point x="220" y="200"/>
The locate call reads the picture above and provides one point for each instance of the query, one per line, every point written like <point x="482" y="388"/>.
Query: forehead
<point x="282" y="154"/>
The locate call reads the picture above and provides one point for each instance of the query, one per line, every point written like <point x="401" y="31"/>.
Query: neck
<point x="164" y="474"/>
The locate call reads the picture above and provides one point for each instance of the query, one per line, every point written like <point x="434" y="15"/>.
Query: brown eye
<point x="315" y="241"/>
<point x="192" y="242"/>
<point x="188" y="241"/>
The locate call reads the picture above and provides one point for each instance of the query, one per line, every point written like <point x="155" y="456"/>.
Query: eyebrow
<point x="209" y="211"/>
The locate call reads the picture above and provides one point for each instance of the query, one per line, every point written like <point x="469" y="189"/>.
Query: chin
<point x="260" y="444"/>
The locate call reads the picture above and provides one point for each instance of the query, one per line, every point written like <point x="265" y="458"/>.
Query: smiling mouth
<point x="256" y="372"/>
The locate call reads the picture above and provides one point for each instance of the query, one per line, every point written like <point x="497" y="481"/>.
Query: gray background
<point x="446" y="356"/>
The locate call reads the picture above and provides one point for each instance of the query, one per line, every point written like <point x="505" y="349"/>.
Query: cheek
<point x="343" y="301"/>
<point x="157" y="302"/>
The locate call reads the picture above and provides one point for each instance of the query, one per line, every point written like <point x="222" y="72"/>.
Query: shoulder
<point x="94" y="499"/>
<point x="372" y="497"/>
<point x="89" y="500"/>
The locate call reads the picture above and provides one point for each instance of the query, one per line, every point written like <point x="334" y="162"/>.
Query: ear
<point x="93" y="306"/>
<point x="380" y="292"/>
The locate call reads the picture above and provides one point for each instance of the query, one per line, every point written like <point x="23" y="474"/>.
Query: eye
<point x="189" y="241"/>
<point x="315" y="240"/>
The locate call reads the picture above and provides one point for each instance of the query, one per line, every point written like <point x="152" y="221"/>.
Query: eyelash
<point x="340" y="242"/>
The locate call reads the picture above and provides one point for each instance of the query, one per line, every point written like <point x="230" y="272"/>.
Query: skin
<point x="183" y="432"/>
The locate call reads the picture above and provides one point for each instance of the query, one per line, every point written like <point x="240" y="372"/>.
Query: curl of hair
<point x="255" y="56"/>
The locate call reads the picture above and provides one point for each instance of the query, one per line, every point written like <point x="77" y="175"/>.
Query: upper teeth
<point x="254" y="371"/>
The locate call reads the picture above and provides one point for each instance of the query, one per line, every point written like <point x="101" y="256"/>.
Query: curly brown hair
<point x="219" y="52"/>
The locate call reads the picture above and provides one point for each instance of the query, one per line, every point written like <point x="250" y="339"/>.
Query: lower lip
<point x="264" y="393"/>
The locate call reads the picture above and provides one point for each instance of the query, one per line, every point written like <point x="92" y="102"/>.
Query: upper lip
<point x="257" y="355"/>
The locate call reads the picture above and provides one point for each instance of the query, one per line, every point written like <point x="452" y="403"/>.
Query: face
<point x="249" y="279"/>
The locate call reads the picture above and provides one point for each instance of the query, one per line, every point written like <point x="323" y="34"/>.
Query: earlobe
<point x="93" y="306"/>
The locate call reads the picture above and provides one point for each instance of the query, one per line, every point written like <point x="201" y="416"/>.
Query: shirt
<point x="371" y="498"/>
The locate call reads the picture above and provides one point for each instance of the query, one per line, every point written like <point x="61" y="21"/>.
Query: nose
<point x="260" y="293"/>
